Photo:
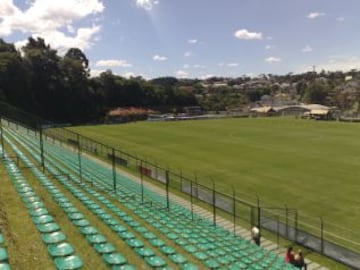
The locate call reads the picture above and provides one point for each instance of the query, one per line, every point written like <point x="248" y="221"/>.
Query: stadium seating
<point x="44" y="222"/>
<point x="213" y="247"/>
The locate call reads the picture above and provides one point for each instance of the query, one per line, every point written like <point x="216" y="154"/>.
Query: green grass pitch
<point x="313" y="166"/>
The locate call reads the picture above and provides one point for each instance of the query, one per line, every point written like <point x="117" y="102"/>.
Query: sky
<point x="193" y="38"/>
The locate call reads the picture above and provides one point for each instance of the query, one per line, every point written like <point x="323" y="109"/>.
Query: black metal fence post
<point x="114" y="169"/>
<point x="42" y="149"/>
<point x="286" y="222"/>
<point x="167" y="190"/>
<point x="321" y="235"/>
<point x="296" y="225"/>
<point x="191" y="200"/>
<point x="2" y="140"/>
<point x="214" y="203"/>
<point x="79" y="157"/>
<point x="142" y="183"/>
<point x="234" y="209"/>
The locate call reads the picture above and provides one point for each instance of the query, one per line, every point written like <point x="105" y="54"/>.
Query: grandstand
<point x="162" y="235"/>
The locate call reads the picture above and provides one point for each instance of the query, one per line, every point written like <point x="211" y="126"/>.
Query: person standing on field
<point x="255" y="235"/>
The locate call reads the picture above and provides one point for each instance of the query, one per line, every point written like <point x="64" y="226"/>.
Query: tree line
<point x="59" y="88"/>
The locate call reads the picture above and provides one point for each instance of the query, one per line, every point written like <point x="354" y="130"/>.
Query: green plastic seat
<point x="189" y="266"/>
<point x="126" y="235"/>
<point x="53" y="238"/>
<point x="123" y="267"/>
<point x="144" y="252"/>
<point x="212" y="264"/>
<point x="155" y="261"/>
<point x="149" y="235"/>
<point x="190" y="248"/>
<point x="181" y="242"/>
<point x="48" y="227"/>
<point x="81" y="222"/>
<point x="167" y="250"/>
<point x="104" y="216"/>
<point x="68" y="263"/>
<point x="4" y="266"/>
<point x="96" y="238"/>
<point x="99" y="211"/>
<point x="200" y="256"/>
<point x="157" y="242"/>
<point x="42" y="219"/>
<point x="75" y="216"/>
<point x="141" y="229"/>
<point x="35" y="205"/>
<point x="87" y="230"/>
<point x="104" y="248"/>
<point x="38" y="212"/>
<point x="65" y="205"/>
<point x="111" y="221"/>
<point x="3" y="254"/>
<point x="178" y="258"/>
<point x="31" y="199"/>
<point x="118" y="228"/>
<point x="70" y="210"/>
<point x="134" y="243"/>
<point x="60" y="250"/>
<point x="172" y="236"/>
<point x="114" y="259"/>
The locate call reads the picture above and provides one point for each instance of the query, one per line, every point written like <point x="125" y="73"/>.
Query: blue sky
<point x="193" y="38"/>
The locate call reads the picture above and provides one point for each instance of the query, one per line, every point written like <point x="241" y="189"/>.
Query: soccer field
<point x="309" y="165"/>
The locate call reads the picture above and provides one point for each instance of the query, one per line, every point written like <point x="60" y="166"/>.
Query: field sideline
<point x="309" y="165"/>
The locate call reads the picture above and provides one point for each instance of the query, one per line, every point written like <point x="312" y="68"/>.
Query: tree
<point x="45" y="76"/>
<point x="14" y="77"/>
<point x="315" y="93"/>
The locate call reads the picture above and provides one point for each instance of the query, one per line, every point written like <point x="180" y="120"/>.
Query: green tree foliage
<point x="60" y="88"/>
<point x="316" y="92"/>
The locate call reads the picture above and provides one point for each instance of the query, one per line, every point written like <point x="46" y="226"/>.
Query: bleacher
<point x="162" y="236"/>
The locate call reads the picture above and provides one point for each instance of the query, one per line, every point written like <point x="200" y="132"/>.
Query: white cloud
<point x="188" y="54"/>
<point x="206" y="76"/>
<point x="340" y="19"/>
<point x="272" y="60"/>
<point x="192" y="41"/>
<point x="340" y="62"/>
<point x="147" y="4"/>
<point x="232" y="64"/>
<point x="96" y="72"/>
<point x="46" y="19"/>
<point x="112" y="63"/>
<point x="307" y="49"/>
<point x="157" y="57"/>
<point x="199" y="66"/>
<point x="186" y="66"/>
<point x="245" y="34"/>
<point x="269" y="47"/>
<point x="314" y="15"/>
<point x="128" y="74"/>
<point x="181" y="74"/>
